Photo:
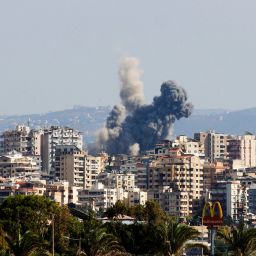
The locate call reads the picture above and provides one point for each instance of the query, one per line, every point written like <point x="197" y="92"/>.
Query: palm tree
<point x="97" y="241"/>
<point x="26" y="245"/>
<point x="173" y="238"/>
<point x="240" y="241"/>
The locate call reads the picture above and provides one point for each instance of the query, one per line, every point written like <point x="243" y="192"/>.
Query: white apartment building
<point x="135" y="196"/>
<point x="75" y="166"/>
<point x="182" y="172"/>
<point x="176" y="203"/>
<point x="54" y="136"/>
<point x="215" y="144"/>
<point x="124" y="180"/>
<point x="99" y="197"/>
<point x="23" y="140"/>
<point x="15" y="164"/>
<point x="243" y="148"/>
<point x="117" y="180"/>
<point x="93" y="166"/>
<point x="189" y="146"/>
<point x="236" y="199"/>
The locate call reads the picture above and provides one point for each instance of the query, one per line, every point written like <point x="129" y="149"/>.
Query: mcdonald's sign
<point x="212" y="214"/>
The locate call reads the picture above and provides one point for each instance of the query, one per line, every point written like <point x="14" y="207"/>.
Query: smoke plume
<point x="134" y="126"/>
<point x="131" y="92"/>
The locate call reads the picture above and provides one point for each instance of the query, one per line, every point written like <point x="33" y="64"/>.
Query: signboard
<point x="212" y="214"/>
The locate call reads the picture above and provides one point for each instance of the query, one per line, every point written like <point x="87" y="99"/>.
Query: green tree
<point x="132" y="237"/>
<point x="138" y="212"/>
<point x="96" y="241"/>
<point x="154" y="214"/>
<point x="28" y="244"/>
<point x="22" y="213"/>
<point x="173" y="238"/>
<point x="118" y="208"/>
<point x="240" y="241"/>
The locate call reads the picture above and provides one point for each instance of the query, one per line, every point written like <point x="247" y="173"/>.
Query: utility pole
<point x="52" y="234"/>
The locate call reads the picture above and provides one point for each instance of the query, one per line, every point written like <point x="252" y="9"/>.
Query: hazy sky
<point x="57" y="54"/>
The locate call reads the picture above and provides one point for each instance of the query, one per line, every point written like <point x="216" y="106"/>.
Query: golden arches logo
<point x="215" y="217"/>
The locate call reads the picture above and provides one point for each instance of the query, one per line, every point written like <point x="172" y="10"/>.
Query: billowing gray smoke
<point x="132" y="126"/>
<point x="131" y="92"/>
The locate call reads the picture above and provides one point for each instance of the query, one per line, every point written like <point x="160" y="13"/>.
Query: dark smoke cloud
<point x="140" y="127"/>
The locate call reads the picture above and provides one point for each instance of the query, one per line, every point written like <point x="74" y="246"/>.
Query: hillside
<point x="89" y="119"/>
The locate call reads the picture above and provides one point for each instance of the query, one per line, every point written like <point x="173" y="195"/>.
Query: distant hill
<point x="231" y="122"/>
<point x="85" y="119"/>
<point x="89" y="119"/>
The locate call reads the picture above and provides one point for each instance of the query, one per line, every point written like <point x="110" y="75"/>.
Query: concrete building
<point x="99" y="197"/>
<point x="75" y="166"/>
<point x="23" y="140"/>
<point x="181" y="172"/>
<point x="141" y="176"/>
<point x="189" y="146"/>
<point x="176" y="203"/>
<point x="135" y="196"/>
<point x="15" y="164"/>
<point x="215" y="144"/>
<point x="124" y="180"/>
<point x="212" y="172"/>
<point x="252" y="199"/>
<point x="218" y="193"/>
<point x="236" y="199"/>
<point x="58" y="192"/>
<point x="53" y="137"/>
<point x="243" y="148"/>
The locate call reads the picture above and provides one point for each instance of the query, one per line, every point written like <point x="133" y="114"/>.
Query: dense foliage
<point x="27" y="224"/>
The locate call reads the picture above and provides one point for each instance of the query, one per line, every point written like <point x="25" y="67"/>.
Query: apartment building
<point x="53" y="137"/>
<point x="212" y="172"/>
<point x="135" y="196"/>
<point x="244" y="149"/>
<point x="215" y="144"/>
<point x="100" y="197"/>
<point x="22" y="139"/>
<point x="69" y="165"/>
<point x="236" y="199"/>
<point x="75" y="166"/>
<point x="251" y="198"/>
<point x="181" y="172"/>
<point x="189" y="146"/>
<point x="58" y="192"/>
<point x="15" y="164"/>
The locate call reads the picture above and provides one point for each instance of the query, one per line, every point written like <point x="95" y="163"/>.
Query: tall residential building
<point x="23" y="140"/>
<point x="54" y="136"/>
<point x="181" y="172"/>
<point x="215" y="144"/>
<point x="211" y="173"/>
<point x="75" y="166"/>
<point x="252" y="199"/>
<point x="172" y="200"/>
<point x="237" y="199"/>
<point x="243" y="148"/>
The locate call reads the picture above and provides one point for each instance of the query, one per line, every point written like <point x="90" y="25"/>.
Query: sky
<point x="58" y="54"/>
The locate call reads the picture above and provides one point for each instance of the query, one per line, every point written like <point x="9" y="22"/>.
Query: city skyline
<point x="55" y="55"/>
